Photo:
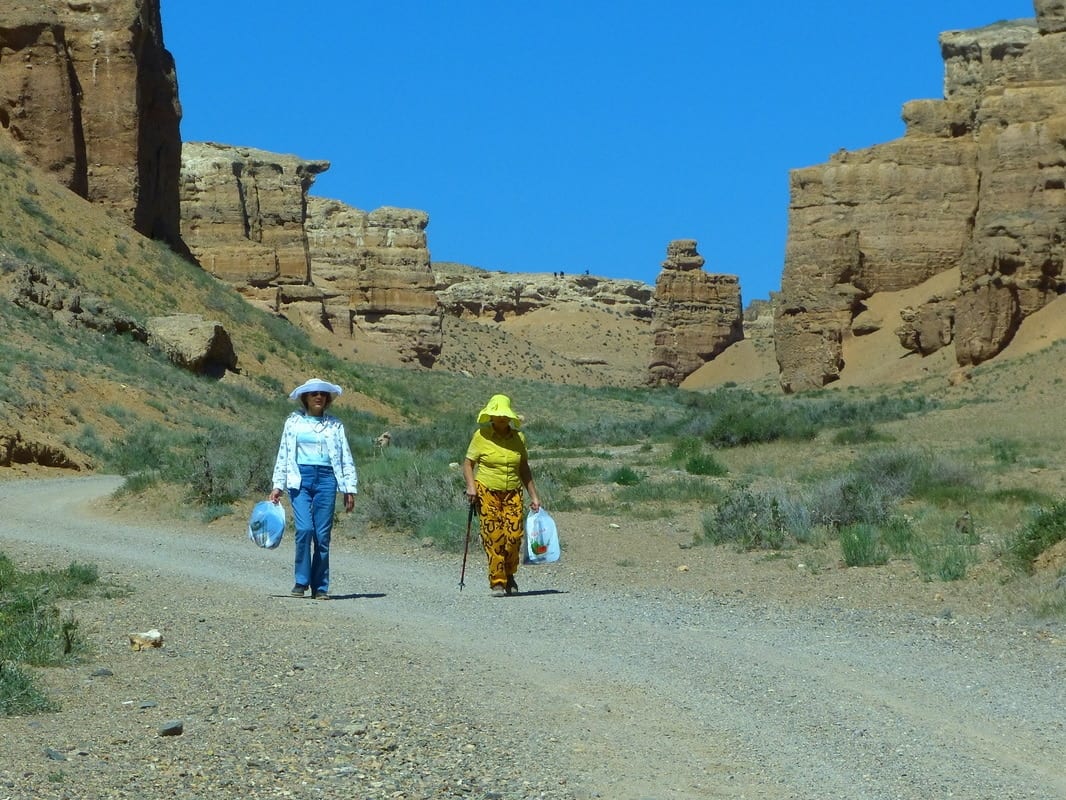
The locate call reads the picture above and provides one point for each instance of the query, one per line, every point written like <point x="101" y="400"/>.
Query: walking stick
<point x="466" y="545"/>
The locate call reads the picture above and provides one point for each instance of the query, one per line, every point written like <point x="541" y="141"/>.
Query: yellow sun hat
<point x="499" y="405"/>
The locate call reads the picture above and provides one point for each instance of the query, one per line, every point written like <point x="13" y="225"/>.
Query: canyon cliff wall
<point x="977" y="182"/>
<point x="89" y="93"/>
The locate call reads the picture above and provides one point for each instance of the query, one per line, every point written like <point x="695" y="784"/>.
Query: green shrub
<point x="569" y="477"/>
<point x="625" y="476"/>
<point x="33" y="632"/>
<point x="1020" y="496"/>
<point x="685" y="449"/>
<point x="948" y="560"/>
<point x="704" y="464"/>
<point x="1006" y="452"/>
<point x="19" y="694"/>
<point x="861" y="545"/>
<point x="672" y="490"/>
<point x="862" y="434"/>
<point x="1046" y="527"/>
<point x="403" y="491"/>
<point x="898" y="535"/>
<point x="746" y="426"/>
<point x="757" y="520"/>
<point x="447" y="529"/>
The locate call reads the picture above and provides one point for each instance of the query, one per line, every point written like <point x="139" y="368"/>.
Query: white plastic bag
<point x="267" y="524"/>
<point x="542" y="538"/>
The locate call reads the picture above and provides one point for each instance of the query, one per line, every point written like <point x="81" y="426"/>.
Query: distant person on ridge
<point x="314" y="463"/>
<point x="496" y="468"/>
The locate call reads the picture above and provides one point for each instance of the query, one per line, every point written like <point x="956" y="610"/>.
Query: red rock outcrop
<point x="89" y="93"/>
<point x="977" y="183"/>
<point x="696" y="315"/>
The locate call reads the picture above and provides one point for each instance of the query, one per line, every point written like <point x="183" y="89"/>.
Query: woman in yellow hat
<point x="496" y="468"/>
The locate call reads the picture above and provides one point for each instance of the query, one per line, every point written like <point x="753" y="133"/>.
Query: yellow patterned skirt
<point x="501" y="532"/>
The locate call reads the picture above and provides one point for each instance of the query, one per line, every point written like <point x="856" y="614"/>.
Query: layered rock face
<point x="248" y="219"/>
<point x="977" y="183"/>
<point x="696" y="315"/>
<point x="243" y="212"/>
<point x="492" y="296"/>
<point x="373" y="272"/>
<point x="89" y="93"/>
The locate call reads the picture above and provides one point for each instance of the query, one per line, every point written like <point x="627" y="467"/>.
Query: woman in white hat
<point x="496" y="468"/>
<point x="314" y="463"/>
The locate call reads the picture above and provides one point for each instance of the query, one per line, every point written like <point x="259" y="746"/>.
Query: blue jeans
<point x="312" y="510"/>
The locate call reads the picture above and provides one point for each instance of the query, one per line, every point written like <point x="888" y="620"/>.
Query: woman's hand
<point x="534" y="503"/>
<point x="275" y="496"/>
<point x="349" y="502"/>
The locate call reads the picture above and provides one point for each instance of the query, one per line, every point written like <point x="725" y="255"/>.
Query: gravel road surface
<point x="404" y="687"/>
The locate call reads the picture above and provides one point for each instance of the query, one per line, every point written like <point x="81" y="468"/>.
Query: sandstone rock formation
<point x="491" y="295"/>
<point x="697" y="315"/>
<point x="193" y="343"/>
<point x="976" y="183"/>
<point x="373" y="274"/>
<point x="89" y="93"/>
<point x="243" y="213"/>
<point x="248" y="219"/>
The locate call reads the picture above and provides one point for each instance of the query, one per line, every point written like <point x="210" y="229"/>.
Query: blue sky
<point x="561" y="134"/>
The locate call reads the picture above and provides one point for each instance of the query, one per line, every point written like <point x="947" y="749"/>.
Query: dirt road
<point x="565" y="691"/>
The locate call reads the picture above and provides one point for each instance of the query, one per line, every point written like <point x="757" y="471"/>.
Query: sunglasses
<point x="317" y="394"/>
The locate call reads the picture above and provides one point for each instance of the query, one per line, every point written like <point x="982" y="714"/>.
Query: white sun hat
<point x="315" y="385"/>
<point x="267" y="524"/>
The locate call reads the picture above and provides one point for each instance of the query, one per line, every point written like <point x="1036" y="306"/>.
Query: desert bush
<point x="446" y="431"/>
<point x="731" y="417"/>
<point x="1006" y="452"/>
<point x="861" y="434"/>
<point x="947" y="560"/>
<point x="146" y="448"/>
<point x="405" y="490"/>
<point x="705" y="464"/>
<point x="861" y="545"/>
<point x="685" y="448"/>
<point x="569" y="476"/>
<point x="915" y="473"/>
<point x="1020" y="496"/>
<point x="674" y="490"/>
<point x="842" y="500"/>
<point x="218" y="466"/>
<point x="447" y="529"/>
<point x="1046" y="527"/>
<point x="1048" y="600"/>
<point x="898" y="534"/>
<point x="625" y="476"/>
<point x="754" y="520"/>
